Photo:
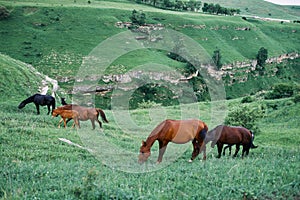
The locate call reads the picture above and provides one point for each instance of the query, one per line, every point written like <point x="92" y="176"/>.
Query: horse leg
<point x="65" y="123"/>
<point x="93" y="123"/>
<point x="220" y="147"/>
<point x="196" y="150"/>
<point x="59" y="122"/>
<point x="37" y="108"/>
<point x="100" y="124"/>
<point x="162" y="149"/>
<point x="77" y="121"/>
<point x="246" y="149"/>
<point x="48" y="109"/>
<point x="69" y="119"/>
<point x="236" y="150"/>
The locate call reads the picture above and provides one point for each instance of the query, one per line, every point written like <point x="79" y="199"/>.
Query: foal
<point x="66" y="115"/>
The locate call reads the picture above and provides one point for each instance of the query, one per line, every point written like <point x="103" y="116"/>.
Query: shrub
<point x="282" y="90"/>
<point x="296" y="98"/>
<point x="4" y="13"/>
<point x="247" y="99"/>
<point x="148" y="104"/>
<point x="246" y="117"/>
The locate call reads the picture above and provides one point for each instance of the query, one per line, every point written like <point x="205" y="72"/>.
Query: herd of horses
<point x="176" y="131"/>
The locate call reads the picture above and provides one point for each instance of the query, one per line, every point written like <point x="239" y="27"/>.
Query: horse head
<point x="144" y="153"/>
<point x="212" y="136"/>
<point x="22" y="105"/>
<point x="54" y="113"/>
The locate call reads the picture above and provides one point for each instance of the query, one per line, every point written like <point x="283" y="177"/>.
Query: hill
<point x="18" y="79"/>
<point x="55" y="37"/>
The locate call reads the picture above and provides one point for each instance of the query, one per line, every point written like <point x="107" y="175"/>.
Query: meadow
<point x="36" y="164"/>
<point x="53" y="37"/>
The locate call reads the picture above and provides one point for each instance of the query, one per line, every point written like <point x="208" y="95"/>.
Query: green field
<point x="53" y="38"/>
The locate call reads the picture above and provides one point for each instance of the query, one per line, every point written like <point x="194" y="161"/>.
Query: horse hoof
<point x="190" y="161"/>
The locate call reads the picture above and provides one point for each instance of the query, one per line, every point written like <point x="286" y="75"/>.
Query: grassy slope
<point x="261" y="8"/>
<point x="18" y="79"/>
<point x="35" y="164"/>
<point x="54" y="37"/>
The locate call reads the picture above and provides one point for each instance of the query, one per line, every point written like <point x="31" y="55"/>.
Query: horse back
<point x="234" y="135"/>
<point x="183" y="131"/>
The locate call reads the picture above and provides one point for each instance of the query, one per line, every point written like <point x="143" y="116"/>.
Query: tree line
<point x="192" y="5"/>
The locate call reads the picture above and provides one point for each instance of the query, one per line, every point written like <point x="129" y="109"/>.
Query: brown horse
<point x="176" y="131"/>
<point x="86" y="113"/>
<point x="222" y="134"/>
<point x="66" y="115"/>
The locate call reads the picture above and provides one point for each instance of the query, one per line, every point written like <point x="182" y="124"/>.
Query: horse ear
<point x="143" y="143"/>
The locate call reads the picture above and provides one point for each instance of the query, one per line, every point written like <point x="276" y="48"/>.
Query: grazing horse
<point x="222" y="134"/>
<point x="63" y="101"/>
<point x="176" y="131"/>
<point x="66" y="115"/>
<point x="39" y="100"/>
<point x="85" y="113"/>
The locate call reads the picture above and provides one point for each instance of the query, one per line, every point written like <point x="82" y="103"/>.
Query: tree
<point x="138" y="18"/>
<point x="4" y="13"/>
<point x="217" y="58"/>
<point x="262" y="56"/>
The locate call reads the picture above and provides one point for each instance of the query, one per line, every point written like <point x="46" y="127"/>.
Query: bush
<point x="246" y="117"/>
<point x="4" y="13"/>
<point x="247" y="99"/>
<point x="282" y="90"/>
<point x="148" y="104"/>
<point x="296" y="98"/>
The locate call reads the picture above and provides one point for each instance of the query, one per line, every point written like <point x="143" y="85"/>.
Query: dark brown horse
<point x="39" y="100"/>
<point x="86" y="113"/>
<point x="66" y="115"/>
<point x="176" y="131"/>
<point x="222" y="134"/>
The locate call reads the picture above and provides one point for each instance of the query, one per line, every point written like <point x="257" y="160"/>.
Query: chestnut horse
<point x="85" y="113"/>
<point x="230" y="135"/>
<point x="176" y="131"/>
<point x="66" y="115"/>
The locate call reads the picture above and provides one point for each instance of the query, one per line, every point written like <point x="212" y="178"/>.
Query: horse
<point x="66" y="115"/>
<point x="39" y="100"/>
<point x="176" y="131"/>
<point x="63" y="102"/>
<point x="230" y="135"/>
<point x="86" y="113"/>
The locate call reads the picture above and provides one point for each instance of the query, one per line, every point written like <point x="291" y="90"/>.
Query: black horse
<point x="39" y="100"/>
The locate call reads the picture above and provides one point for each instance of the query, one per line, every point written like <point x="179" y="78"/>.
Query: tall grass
<point x="35" y="164"/>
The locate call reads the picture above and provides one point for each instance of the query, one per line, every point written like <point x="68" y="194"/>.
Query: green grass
<point x="17" y="78"/>
<point x="35" y="164"/>
<point x="55" y="36"/>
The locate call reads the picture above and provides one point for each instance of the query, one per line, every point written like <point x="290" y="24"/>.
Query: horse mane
<point x="30" y="99"/>
<point x="157" y="129"/>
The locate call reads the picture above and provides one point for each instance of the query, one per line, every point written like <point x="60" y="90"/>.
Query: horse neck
<point x="150" y="140"/>
<point x="28" y="100"/>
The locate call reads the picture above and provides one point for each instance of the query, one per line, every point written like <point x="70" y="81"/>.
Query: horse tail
<point x="252" y="139"/>
<point x="102" y="115"/>
<point x="203" y="132"/>
<point x="53" y="104"/>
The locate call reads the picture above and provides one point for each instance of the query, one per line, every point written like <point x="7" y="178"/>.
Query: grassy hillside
<point x="18" y="79"/>
<point x="55" y="36"/>
<point x="261" y="8"/>
<point x="36" y="164"/>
